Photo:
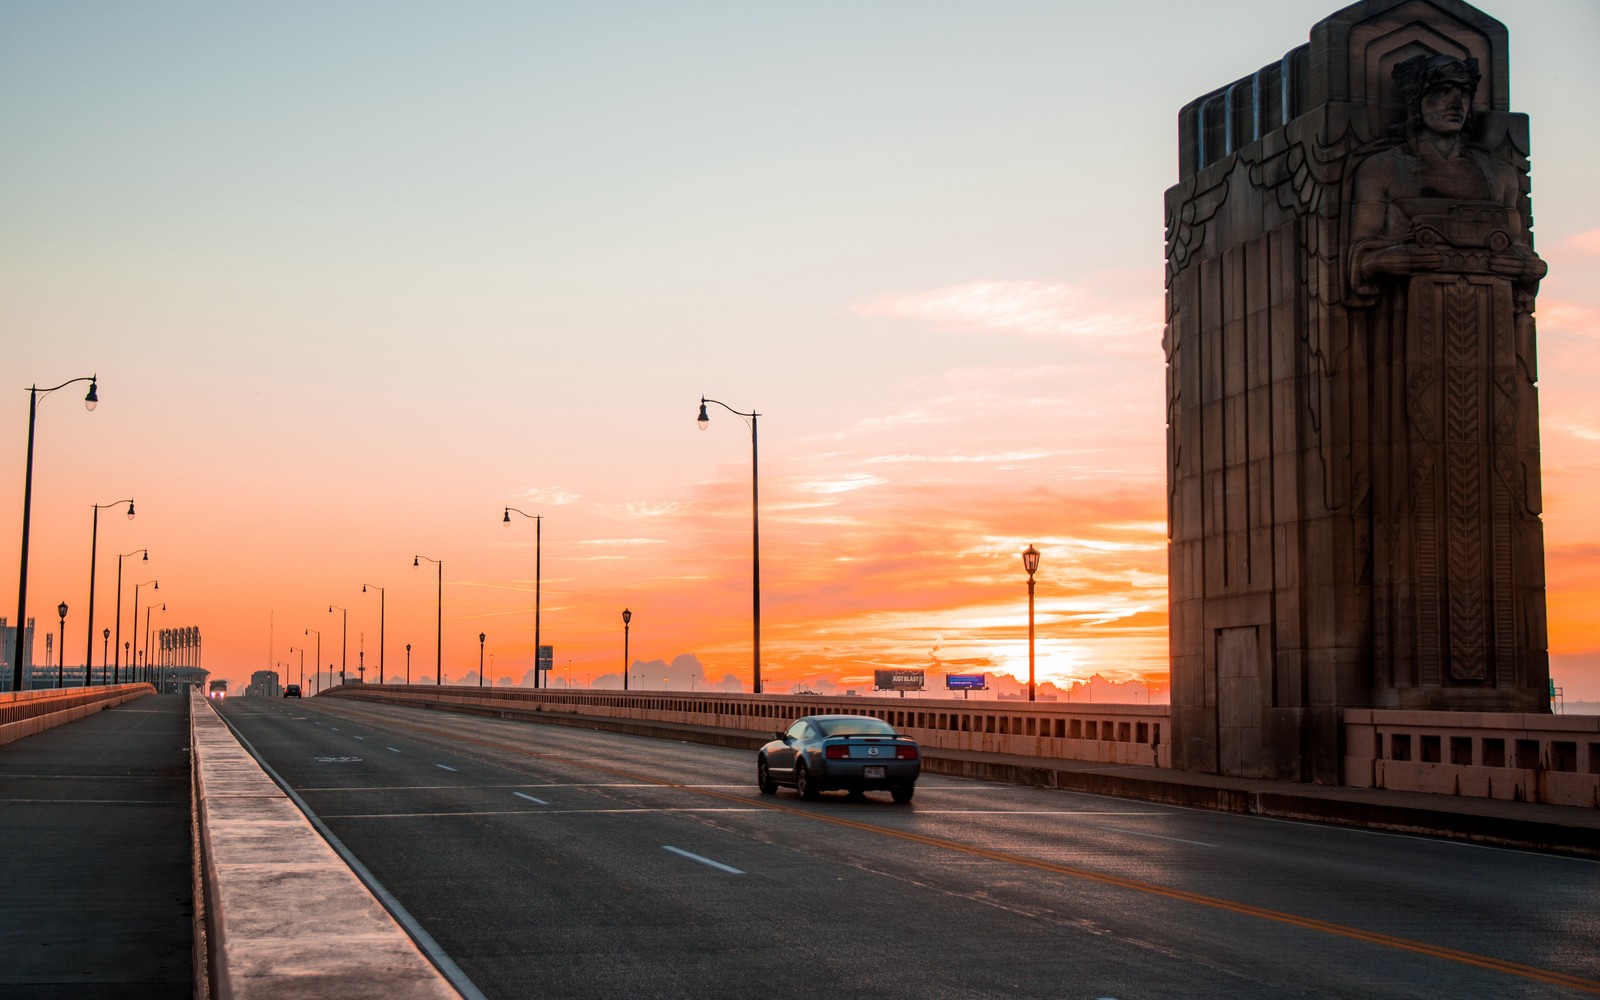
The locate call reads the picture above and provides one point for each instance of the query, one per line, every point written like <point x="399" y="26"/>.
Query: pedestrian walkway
<point x="95" y="874"/>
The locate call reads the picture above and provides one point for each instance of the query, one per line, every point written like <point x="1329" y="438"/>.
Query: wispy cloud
<point x="1586" y="242"/>
<point x="1053" y="310"/>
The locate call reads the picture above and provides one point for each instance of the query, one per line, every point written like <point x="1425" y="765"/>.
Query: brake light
<point x="836" y="752"/>
<point x="905" y="753"/>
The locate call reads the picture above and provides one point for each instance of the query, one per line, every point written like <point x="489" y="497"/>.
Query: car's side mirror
<point x="780" y="736"/>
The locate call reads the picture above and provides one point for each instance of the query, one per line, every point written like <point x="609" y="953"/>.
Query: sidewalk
<point x="95" y="875"/>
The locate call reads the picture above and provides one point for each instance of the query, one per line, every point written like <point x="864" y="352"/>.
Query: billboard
<point x="899" y="680"/>
<point x="966" y="682"/>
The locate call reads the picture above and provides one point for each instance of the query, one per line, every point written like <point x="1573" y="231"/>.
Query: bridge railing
<point x="1498" y="755"/>
<point x="1117" y="734"/>
<point x="23" y="713"/>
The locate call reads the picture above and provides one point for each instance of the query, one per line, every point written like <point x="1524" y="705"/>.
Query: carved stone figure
<point x="1352" y="410"/>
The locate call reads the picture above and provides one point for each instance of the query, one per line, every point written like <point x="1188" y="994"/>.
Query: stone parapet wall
<point x="1113" y="734"/>
<point x="1553" y="759"/>
<point x="27" y="712"/>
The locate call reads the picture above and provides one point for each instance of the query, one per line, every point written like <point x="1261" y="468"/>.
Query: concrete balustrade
<point x="23" y="713"/>
<point x="265" y="876"/>
<point x="1112" y="734"/>
<point x="1500" y="755"/>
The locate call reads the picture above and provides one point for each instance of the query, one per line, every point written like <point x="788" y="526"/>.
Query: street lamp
<point x="438" y="636"/>
<point x="344" y="642"/>
<point x="627" y="616"/>
<point x="1030" y="562"/>
<point x="133" y="664"/>
<point x="302" y="651"/>
<point x="122" y="646"/>
<point x="61" y="661"/>
<point x="538" y="545"/>
<point x="383" y="601"/>
<point x="94" y="543"/>
<point x="27" y="512"/>
<point x="408" y="664"/>
<point x="316" y="664"/>
<point x="105" y="649"/>
<point x="147" y="668"/>
<point x="481" y="637"/>
<point x="755" y="528"/>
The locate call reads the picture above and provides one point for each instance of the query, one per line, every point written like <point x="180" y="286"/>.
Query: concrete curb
<point x="267" y="874"/>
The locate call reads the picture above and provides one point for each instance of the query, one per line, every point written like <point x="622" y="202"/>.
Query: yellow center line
<point x="1181" y="895"/>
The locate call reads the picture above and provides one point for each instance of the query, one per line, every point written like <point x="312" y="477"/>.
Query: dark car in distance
<point x="857" y="753"/>
<point x="291" y="691"/>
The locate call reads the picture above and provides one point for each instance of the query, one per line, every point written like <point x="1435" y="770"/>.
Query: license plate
<point x="872" y="771"/>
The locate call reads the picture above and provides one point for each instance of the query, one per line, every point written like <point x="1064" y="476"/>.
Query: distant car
<point x="857" y="753"/>
<point x="291" y="691"/>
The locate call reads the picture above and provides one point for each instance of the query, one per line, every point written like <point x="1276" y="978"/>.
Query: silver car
<point x="852" y="752"/>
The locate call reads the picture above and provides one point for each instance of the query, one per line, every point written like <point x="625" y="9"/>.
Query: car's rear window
<point x="856" y="727"/>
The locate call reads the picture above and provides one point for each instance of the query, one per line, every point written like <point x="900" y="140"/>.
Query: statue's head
<point x="1438" y="91"/>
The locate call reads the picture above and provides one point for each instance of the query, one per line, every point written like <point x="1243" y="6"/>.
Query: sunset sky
<point x="356" y="276"/>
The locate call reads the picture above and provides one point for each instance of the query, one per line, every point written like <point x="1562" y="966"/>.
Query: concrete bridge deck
<point x="98" y="873"/>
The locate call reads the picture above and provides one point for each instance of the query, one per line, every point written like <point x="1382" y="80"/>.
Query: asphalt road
<point x="556" y="862"/>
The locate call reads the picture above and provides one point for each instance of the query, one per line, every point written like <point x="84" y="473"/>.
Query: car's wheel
<point x="903" y="793"/>
<point x="803" y="783"/>
<point x="764" y="779"/>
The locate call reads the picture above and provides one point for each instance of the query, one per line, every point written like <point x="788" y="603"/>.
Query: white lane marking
<point x="391" y="749"/>
<point x="705" y="861"/>
<point x="541" y="812"/>
<point x="530" y="798"/>
<point x="87" y="802"/>
<point x="1156" y="836"/>
<point x="360" y="737"/>
<point x="447" y="767"/>
<point x="1031" y="812"/>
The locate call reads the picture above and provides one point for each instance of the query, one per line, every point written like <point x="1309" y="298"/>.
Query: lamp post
<point x="27" y="512"/>
<point x="61" y="661"/>
<point x="408" y="664"/>
<point x="147" y="668"/>
<point x="755" y="529"/>
<point x="105" y="649"/>
<point x="344" y="642"/>
<point x="133" y="664"/>
<point x="316" y="664"/>
<point x="481" y="637"/>
<point x="1030" y="562"/>
<point x="302" y="651"/>
<point x="94" y="543"/>
<point x="438" y="636"/>
<point x="538" y="545"/>
<point x="116" y="670"/>
<point x="383" y="601"/>
<point x="627" y="616"/>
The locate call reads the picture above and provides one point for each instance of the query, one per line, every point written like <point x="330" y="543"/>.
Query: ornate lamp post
<point x="133" y="664"/>
<point x="408" y="664"/>
<point x="94" y="544"/>
<point x="61" y="661"/>
<point x="481" y="637"/>
<point x="383" y="600"/>
<point x="121" y="653"/>
<point x="627" y="616"/>
<point x="1030" y="562"/>
<point x="538" y="544"/>
<point x="27" y="512"/>
<point x="755" y="528"/>
<point x="105" y="649"/>
<point x="438" y="663"/>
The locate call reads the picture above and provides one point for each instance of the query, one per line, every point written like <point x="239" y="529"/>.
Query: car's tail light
<point x="836" y="752"/>
<point x="905" y="753"/>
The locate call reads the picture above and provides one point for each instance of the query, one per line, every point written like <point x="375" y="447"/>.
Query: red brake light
<point x="836" y="752"/>
<point x="905" y="753"/>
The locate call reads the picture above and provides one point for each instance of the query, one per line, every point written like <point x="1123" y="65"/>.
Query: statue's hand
<point x="1518" y="265"/>
<point x="1399" y="260"/>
